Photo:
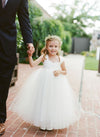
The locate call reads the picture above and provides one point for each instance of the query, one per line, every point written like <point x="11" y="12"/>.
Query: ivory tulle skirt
<point x="47" y="101"/>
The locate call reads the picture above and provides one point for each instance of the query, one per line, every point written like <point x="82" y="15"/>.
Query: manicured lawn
<point x="91" y="63"/>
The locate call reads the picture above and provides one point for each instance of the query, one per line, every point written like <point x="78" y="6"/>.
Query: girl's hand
<point x="56" y="72"/>
<point x="30" y="50"/>
<point x="29" y="53"/>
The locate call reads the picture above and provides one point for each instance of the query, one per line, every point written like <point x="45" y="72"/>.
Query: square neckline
<point x="52" y="61"/>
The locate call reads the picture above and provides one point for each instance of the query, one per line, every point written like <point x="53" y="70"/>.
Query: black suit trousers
<point x="5" y="79"/>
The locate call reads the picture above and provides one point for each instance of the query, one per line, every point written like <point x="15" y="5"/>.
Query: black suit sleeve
<point x="23" y="17"/>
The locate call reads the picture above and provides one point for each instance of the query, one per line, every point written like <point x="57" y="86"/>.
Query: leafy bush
<point x="67" y="42"/>
<point x="88" y="53"/>
<point x="42" y="29"/>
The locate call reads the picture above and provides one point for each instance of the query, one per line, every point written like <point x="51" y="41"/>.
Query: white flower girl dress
<point x="47" y="101"/>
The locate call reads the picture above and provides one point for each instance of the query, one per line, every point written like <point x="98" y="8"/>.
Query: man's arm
<point x="26" y="30"/>
<point x="24" y="22"/>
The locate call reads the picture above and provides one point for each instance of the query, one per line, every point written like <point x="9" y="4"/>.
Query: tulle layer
<point x="47" y="101"/>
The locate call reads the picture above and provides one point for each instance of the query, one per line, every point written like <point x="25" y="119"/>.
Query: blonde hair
<point x="50" y="38"/>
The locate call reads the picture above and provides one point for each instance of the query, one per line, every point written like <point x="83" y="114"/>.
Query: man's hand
<point x="31" y="49"/>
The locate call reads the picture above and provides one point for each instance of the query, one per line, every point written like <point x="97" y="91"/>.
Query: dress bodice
<point x="52" y="65"/>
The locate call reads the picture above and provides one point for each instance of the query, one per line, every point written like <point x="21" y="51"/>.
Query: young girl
<point x="46" y="100"/>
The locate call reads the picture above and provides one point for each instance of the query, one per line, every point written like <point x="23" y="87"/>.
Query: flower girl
<point x="46" y="99"/>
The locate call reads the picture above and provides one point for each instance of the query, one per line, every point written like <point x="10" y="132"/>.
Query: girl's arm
<point x="63" y="70"/>
<point x="36" y="62"/>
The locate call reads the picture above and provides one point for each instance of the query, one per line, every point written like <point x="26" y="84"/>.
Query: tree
<point x="77" y="17"/>
<point x="51" y="27"/>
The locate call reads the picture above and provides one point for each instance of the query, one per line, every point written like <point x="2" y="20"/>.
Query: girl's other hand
<point x="56" y="73"/>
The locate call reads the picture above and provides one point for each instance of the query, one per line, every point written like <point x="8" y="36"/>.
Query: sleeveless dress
<point x="47" y="101"/>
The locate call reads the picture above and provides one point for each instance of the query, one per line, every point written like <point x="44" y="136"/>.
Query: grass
<point x="91" y="63"/>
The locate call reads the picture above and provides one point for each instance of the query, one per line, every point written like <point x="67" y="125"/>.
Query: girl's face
<point x="53" y="47"/>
